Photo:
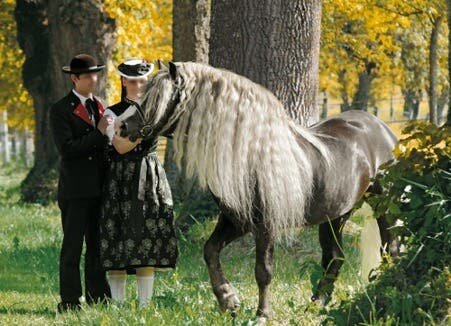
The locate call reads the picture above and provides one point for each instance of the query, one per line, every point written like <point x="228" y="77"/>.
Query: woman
<point x="136" y="227"/>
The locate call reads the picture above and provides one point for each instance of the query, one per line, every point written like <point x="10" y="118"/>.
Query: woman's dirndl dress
<point x="137" y="222"/>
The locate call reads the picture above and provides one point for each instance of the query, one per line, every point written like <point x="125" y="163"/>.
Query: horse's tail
<point x="370" y="244"/>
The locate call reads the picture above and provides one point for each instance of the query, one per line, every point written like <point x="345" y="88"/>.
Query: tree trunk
<point x="24" y="147"/>
<point x="345" y="106"/>
<point x="448" y="118"/>
<point x="324" y="106"/>
<point x="274" y="43"/>
<point x="412" y="100"/>
<point x="433" y="69"/>
<point x="4" y="133"/>
<point x="442" y="101"/>
<point x="50" y="33"/>
<point x="362" y="96"/>
<point x="191" y="32"/>
<point x="14" y="144"/>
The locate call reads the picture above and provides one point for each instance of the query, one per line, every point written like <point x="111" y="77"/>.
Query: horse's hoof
<point x="231" y="303"/>
<point x="228" y="299"/>
<point x="322" y="299"/>
<point x="264" y="315"/>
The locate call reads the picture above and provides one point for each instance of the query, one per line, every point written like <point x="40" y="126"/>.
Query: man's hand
<point x="104" y="122"/>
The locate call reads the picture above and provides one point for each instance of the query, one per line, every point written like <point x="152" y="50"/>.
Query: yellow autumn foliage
<point x="13" y="96"/>
<point x="355" y="32"/>
<point x="143" y="30"/>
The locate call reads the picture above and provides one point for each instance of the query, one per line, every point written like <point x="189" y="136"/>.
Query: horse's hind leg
<point x="389" y="243"/>
<point x="264" y="244"/>
<point x="224" y="233"/>
<point x="330" y="239"/>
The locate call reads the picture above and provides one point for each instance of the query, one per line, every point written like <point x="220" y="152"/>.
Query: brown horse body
<point x="357" y="144"/>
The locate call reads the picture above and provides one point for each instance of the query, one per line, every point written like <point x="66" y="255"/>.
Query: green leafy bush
<point x="415" y="288"/>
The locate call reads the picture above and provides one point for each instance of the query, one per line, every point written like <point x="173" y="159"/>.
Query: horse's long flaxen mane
<point x="235" y="136"/>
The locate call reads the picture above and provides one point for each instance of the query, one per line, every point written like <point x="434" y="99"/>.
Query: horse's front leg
<point x="224" y="233"/>
<point x="264" y="244"/>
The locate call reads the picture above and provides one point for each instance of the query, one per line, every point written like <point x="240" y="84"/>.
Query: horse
<point x="267" y="173"/>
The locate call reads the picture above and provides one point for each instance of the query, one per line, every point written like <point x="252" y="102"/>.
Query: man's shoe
<point x="68" y="306"/>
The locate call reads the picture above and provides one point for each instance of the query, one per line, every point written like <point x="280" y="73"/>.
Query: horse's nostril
<point x="123" y="125"/>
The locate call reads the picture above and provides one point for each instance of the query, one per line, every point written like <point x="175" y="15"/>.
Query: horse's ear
<point x="173" y="70"/>
<point x="161" y="64"/>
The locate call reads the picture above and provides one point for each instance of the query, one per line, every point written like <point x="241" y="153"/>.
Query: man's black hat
<point x="81" y="64"/>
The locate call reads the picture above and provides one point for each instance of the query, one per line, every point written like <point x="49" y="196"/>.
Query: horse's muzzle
<point x="123" y="129"/>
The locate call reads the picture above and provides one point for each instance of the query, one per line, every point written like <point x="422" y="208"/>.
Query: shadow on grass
<point x="44" y="312"/>
<point x="30" y="270"/>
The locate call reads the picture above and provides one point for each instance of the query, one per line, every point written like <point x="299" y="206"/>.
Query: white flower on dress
<point x="129" y="244"/>
<point x="104" y="244"/>
<point x="109" y="224"/>
<point x="150" y="224"/>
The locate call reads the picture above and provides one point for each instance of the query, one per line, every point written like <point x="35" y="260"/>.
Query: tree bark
<point x="50" y="33"/>
<point x="191" y="33"/>
<point x="191" y="30"/>
<point x="433" y="69"/>
<point x="274" y="43"/>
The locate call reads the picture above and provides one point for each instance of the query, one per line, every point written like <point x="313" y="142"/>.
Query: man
<point x="78" y="129"/>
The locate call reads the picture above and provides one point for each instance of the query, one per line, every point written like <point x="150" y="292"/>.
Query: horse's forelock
<point x="157" y="97"/>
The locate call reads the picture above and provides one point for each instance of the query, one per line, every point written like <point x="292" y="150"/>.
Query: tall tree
<point x="50" y="33"/>
<point x="358" y="51"/>
<point x="448" y="119"/>
<point x="433" y="68"/>
<point x="429" y="15"/>
<point x="191" y="32"/>
<point x="15" y="102"/>
<point x="274" y="43"/>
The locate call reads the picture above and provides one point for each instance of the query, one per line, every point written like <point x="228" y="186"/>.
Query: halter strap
<point x="147" y="129"/>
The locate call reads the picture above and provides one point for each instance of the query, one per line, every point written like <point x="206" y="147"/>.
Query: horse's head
<point x="161" y="98"/>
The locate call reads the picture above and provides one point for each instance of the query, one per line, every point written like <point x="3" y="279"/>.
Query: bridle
<point x="146" y="130"/>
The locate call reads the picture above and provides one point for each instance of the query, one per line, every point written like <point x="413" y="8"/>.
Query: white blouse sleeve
<point x="110" y="129"/>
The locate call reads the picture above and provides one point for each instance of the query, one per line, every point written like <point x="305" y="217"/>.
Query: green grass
<point x="30" y="237"/>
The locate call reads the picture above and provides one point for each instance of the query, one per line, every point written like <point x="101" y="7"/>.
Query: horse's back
<point x="359" y="143"/>
<point x="361" y="127"/>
